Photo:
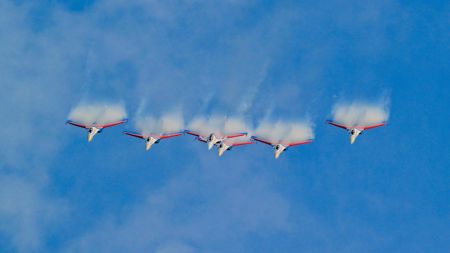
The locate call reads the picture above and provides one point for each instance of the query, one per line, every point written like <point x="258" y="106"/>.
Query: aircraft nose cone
<point x="90" y="138"/>
<point x="210" y="145"/>
<point x="352" y="139"/>
<point x="277" y="154"/>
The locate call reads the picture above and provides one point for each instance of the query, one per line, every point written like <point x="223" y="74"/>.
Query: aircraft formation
<point x="223" y="142"/>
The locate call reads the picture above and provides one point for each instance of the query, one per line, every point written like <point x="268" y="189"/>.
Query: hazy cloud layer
<point x="197" y="204"/>
<point x="229" y="56"/>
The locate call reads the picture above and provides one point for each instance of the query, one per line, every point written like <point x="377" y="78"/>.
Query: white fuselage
<point x="354" y="133"/>
<point x="222" y="148"/>
<point x="92" y="132"/>
<point x="279" y="148"/>
<point x="149" y="141"/>
<point x="212" y="140"/>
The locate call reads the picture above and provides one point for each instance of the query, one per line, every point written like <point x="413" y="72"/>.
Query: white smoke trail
<point x="360" y="113"/>
<point x="218" y="124"/>
<point x="89" y="114"/>
<point x="167" y="123"/>
<point x="281" y="131"/>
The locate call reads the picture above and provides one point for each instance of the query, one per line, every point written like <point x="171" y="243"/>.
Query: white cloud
<point x="198" y="210"/>
<point x="163" y="51"/>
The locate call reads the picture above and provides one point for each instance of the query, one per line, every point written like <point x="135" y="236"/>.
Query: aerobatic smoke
<point x="168" y="123"/>
<point x="281" y="131"/>
<point x="360" y="113"/>
<point x="218" y="124"/>
<point x="97" y="113"/>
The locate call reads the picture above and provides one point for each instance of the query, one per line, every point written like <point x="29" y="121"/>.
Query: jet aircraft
<point x="214" y="138"/>
<point x="280" y="146"/>
<point x="227" y="145"/>
<point x="94" y="129"/>
<point x="151" y="139"/>
<point x="354" y="131"/>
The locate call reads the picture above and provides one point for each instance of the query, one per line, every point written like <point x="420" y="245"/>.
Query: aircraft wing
<point x="200" y="139"/>
<point x="112" y="124"/>
<point x="76" y="124"/>
<point x="241" y="143"/>
<point x="299" y="143"/>
<point x="372" y="126"/>
<point x="262" y="141"/>
<point x="235" y="135"/>
<point x="165" y="136"/>
<point x="338" y="125"/>
<point x="193" y="133"/>
<point x="134" y="135"/>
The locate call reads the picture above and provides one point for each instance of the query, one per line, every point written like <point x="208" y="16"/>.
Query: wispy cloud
<point x="182" y="214"/>
<point x="208" y="56"/>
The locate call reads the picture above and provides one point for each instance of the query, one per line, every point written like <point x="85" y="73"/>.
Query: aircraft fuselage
<point x="92" y="131"/>
<point x="279" y="148"/>
<point x="213" y="140"/>
<point x="149" y="141"/>
<point x="354" y="133"/>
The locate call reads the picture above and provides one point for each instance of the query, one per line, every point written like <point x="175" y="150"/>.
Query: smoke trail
<point x="97" y="113"/>
<point x="218" y="124"/>
<point x="360" y="113"/>
<point x="281" y="131"/>
<point x="168" y="123"/>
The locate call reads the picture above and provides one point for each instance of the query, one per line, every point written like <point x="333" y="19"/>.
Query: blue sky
<point x="284" y="60"/>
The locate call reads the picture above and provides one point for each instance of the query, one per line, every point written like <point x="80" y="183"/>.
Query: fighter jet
<point x="94" y="129"/>
<point x="354" y="131"/>
<point x="280" y="146"/>
<point x="214" y="138"/>
<point x="227" y="145"/>
<point x="151" y="139"/>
